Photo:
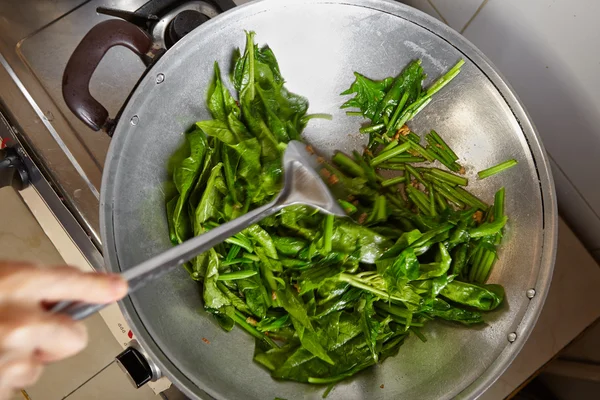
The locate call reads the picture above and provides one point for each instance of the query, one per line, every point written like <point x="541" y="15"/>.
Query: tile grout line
<point x="87" y="380"/>
<point x="483" y="3"/>
<point x="575" y="189"/>
<point x="438" y="12"/>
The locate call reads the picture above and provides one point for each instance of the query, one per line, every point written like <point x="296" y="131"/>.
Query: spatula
<point x="302" y="185"/>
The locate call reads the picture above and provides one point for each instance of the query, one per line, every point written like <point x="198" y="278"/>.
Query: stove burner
<point x="183" y="23"/>
<point x="167" y="21"/>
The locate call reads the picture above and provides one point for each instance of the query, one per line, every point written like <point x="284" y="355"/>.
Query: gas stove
<point x="42" y="143"/>
<point x="36" y="41"/>
<point x="167" y="21"/>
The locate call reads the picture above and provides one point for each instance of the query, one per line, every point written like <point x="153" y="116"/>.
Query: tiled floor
<point x="77" y="378"/>
<point x="21" y="237"/>
<point x="586" y="347"/>
<point x="573" y="304"/>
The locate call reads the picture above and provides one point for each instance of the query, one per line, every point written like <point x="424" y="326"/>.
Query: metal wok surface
<point x="319" y="44"/>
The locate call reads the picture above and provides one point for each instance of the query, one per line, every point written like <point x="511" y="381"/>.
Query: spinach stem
<point x="446" y="79"/>
<point x="231" y="276"/>
<point x="418" y="110"/>
<point x="390" y="154"/>
<point x="358" y="284"/>
<point x="419" y="199"/>
<point x="393" y="167"/>
<point x="499" y="203"/>
<point x="393" y="122"/>
<point x="442" y="204"/>
<point x="328" y="234"/>
<point x="372" y="128"/>
<point x="381" y="210"/>
<point x="444" y="190"/>
<point x="393" y="181"/>
<point x="497" y="169"/>
<point x="397" y="201"/>
<point x="438" y="139"/>
<point x="348" y="165"/>
<point x="432" y="208"/>
<point x="449" y="177"/>
<point x="327" y="117"/>
<point x="240" y="319"/>
<point x="348" y="207"/>
<point x="471" y="199"/>
<point x="415" y="173"/>
<point x="422" y="151"/>
<point x="250" y="48"/>
<point x="406" y="158"/>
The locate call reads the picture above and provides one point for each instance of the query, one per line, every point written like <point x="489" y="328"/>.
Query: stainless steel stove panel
<point x="36" y="40"/>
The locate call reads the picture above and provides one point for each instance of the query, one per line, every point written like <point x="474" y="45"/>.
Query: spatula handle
<point x="159" y="265"/>
<point x="77" y="311"/>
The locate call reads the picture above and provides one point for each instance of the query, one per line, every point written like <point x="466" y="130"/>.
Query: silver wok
<point x="319" y="44"/>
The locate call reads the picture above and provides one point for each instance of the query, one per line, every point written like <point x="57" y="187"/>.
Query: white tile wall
<point x="457" y="13"/>
<point x="425" y="6"/>
<point x="576" y="210"/>
<point x="548" y="50"/>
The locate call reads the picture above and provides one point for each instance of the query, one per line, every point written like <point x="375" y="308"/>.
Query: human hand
<point x="30" y="335"/>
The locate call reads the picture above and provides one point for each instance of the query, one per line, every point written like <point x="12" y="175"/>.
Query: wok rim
<point x="461" y="44"/>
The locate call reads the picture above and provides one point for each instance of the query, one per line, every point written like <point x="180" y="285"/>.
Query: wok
<point x="319" y="44"/>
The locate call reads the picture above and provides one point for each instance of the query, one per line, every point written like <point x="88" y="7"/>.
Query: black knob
<point x="136" y="366"/>
<point x="183" y="23"/>
<point x="13" y="171"/>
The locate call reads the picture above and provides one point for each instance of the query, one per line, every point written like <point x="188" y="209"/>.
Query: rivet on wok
<point x="160" y="78"/>
<point x="512" y="337"/>
<point x="134" y="120"/>
<point x="531" y="293"/>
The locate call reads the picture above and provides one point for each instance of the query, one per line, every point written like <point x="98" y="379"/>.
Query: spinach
<point x="328" y="297"/>
<point x="294" y="306"/>
<point x="349" y="237"/>
<point x="409" y="81"/>
<point x="185" y="176"/>
<point x="289" y="246"/>
<point x="208" y="207"/>
<point x="445" y="311"/>
<point x="171" y="204"/>
<point x="314" y="278"/>
<point x="220" y="102"/>
<point x="481" y="297"/>
<point x="369" y="325"/>
<point x="369" y="94"/>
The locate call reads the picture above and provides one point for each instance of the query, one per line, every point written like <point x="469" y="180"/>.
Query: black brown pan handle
<point x="85" y="60"/>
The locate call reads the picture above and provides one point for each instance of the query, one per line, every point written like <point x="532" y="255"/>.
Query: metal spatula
<point x="302" y="185"/>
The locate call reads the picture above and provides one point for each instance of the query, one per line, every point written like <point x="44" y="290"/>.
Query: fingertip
<point x="69" y="338"/>
<point x="80" y="337"/>
<point x="119" y="286"/>
<point x="20" y="373"/>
